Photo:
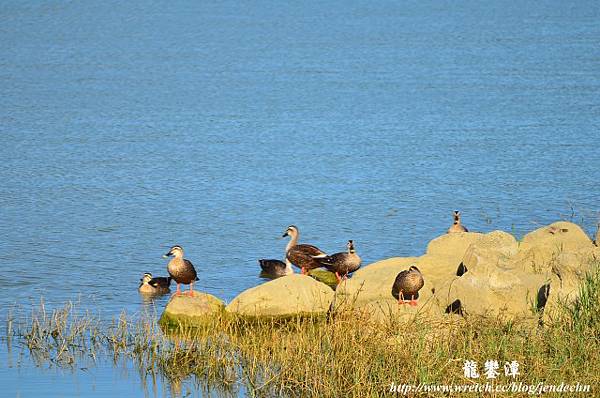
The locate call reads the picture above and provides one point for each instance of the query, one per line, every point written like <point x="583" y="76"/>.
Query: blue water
<point x="127" y="127"/>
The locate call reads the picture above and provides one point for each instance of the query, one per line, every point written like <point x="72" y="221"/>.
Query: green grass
<point x="341" y="355"/>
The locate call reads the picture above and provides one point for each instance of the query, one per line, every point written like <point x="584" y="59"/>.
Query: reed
<point x="342" y="355"/>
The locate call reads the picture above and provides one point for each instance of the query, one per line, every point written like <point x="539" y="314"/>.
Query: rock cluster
<point x="471" y="274"/>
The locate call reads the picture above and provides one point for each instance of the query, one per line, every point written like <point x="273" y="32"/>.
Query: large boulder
<point x="569" y="270"/>
<point x="452" y="246"/>
<point x="196" y="311"/>
<point x="539" y="249"/>
<point x="288" y="296"/>
<point x="506" y="278"/>
<point x="490" y="283"/>
<point x="507" y="293"/>
<point x="490" y="250"/>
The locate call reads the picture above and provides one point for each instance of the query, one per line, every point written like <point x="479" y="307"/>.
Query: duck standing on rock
<point x="157" y="285"/>
<point x="407" y="285"/>
<point x="457" y="226"/>
<point x="301" y="255"/>
<point x="181" y="270"/>
<point x="342" y="263"/>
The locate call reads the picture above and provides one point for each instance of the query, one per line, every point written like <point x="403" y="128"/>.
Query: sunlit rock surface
<point x="198" y="310"/>
<point x="286" y="296"/>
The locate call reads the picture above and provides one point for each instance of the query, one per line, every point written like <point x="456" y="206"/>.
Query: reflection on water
<point x="82" y="353"/>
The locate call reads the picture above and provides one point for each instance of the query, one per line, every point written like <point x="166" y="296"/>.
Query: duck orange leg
<point x="178" y="291"/>
<point x="413" y="302"/>
<point x="191" y="292"/>
<point x="337" y="276"/>
<point x="303" y="271"/>
<point x="401" y="298"/>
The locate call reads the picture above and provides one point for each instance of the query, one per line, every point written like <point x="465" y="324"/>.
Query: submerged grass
<point x="343" y="355"/>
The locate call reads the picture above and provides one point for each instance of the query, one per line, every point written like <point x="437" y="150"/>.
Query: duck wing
<point x="304" y="256"/>
<point x="332" y="260"/>
<point x="190" y="271"/>
<point x="160" y="282"/>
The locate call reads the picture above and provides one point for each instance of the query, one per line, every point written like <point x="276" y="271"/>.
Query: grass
<point x="342" y="355"/>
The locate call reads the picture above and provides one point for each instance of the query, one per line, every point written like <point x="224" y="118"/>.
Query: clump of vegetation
<point x="343" y="355"/>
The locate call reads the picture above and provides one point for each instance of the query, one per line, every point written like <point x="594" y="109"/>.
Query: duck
<point x="342" y="263"/>
<point x="303" y="256"/>
<point x="154" y="285"/>
<point x="181" y="270"/>
<point x="457" y="226"/>
<point x="275" y="268"/>
<point x="407" y="284"/>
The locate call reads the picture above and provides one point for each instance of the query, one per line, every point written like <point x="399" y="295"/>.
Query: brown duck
<point x="342" y="263"/>
<point x="181" y="270"/>
<point x="301" y="255"/>
<point x="407" y="285"/>
<point x="457" y="225"/>
<point x="154" y="285"/>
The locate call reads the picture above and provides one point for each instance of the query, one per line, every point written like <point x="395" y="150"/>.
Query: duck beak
<point x="285" y="234"/>
<point x="169" y="254"/>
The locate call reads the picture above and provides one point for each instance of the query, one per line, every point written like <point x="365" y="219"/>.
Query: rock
<point x="569" y="270"/>
<point x="292" y="295"/>
<point x="507" y="279"/>
<point x="195" y="311"/>
<point x="491" y="283"/>
<point x="565" y="234"/>
<point x="444" y="256"/>
<point x="438" y="269"/>
<point x="323" y="276"/>
<point x="452" y="246"/>
<point x="490" y="249"/>
<point x="539" y="249"/>
<point x="496" y="292"/>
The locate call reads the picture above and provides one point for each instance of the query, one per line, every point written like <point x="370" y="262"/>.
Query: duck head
<point x="350" y="246"/>
<point x="414" y="269"/>
<point x="176" y="251"/>
<point x="456" y="215"/>
<point x="146" y="278"/>
<point x="292" y="231"/>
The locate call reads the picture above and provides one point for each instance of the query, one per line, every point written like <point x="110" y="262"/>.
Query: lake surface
<point x="127" y="127"/>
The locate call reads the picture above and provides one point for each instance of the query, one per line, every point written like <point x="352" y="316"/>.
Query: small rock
<point x="196" y="311"/>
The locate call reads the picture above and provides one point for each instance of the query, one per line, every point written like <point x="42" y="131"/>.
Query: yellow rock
<point x="292" y="295"/>
<point x="197" y="310"/>
<point x="490" y="249"/>
<point x="452" y="246"/>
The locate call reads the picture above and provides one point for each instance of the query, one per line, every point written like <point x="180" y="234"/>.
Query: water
<point x="127" y="127"/>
